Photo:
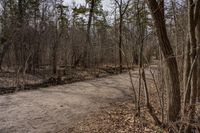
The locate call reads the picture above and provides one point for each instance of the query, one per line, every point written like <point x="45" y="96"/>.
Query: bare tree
<point x="122" y="10"/>
<point x="174" y="99"/>
<point x="193" y="17"/>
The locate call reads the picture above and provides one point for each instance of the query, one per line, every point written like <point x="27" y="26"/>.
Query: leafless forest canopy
<point x="50" y="42"/>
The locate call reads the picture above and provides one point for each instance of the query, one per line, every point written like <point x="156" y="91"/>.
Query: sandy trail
<point x="51" y="109"/>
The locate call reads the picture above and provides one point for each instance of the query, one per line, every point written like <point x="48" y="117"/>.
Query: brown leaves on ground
<point x="117" y="118"/>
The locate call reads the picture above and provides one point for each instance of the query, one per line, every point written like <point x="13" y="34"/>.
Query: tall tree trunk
<point x="174" y="100"/>
<point x="21" y="12"/>
<point x="186" y="69"/>
<point x="18" y="47"/>
<point x="198" y="40"/>
<point x="120" y="41"/>
<point x="54" y="57"/>
<point x="5" y="48"/>
<point x="88" y="39"/>
<point x="122" y="10"/>
<point x="92" y="5"/>
<point x="193" y="16"/>
<point x="176" y="25"/>
<point x="192" y="26"/>
<point x="120" y="35"/>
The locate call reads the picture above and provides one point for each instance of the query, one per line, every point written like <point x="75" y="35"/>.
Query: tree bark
<point x="5" y="48"/>
<point x="122" y="11"/>
<point x="192" y="14"/>
<point x="120" y="41"/>
<point x="186" y="69"/>
<point x="174" y="100"/>
<point x="176" y="25"/>
<point x="198" y="40"/>
<point x="88" y="39"/>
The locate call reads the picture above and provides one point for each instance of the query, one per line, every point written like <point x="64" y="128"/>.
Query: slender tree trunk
<point x="147" y="101"/>
<point x="193" y="51"/>
<point x="120" y="41"/>
<point x="187" y="66"/>
<point x="193" y="16"/>
<point x="88" y="39"/>
<point x="5" y="48"/>
<point x="92" y="5"/>
<point x="198" y="40"/>
<point x="176" y="25"/>
<point x="54" y="57"/>
<point x="174" y="100"/>
<point x="122" y="11"/>
<point x="55" y="51"/>
<point x="21" y="12"/>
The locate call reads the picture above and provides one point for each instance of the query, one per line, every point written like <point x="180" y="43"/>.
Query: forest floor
<point x="93" y="106"/>
<point x="11" y="82"/>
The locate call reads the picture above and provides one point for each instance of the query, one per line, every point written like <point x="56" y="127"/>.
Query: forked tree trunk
<point x="174" y="100"/>
<point x="122" y="11"/>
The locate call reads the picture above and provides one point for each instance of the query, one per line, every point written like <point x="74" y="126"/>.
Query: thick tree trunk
<point x="174" y="100"/>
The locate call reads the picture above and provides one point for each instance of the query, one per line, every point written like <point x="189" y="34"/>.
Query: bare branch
<point x="125" y="9"/>
<point x="116" y="1"/>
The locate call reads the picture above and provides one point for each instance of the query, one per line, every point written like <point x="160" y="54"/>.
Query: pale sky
<point x="106" y="3"/>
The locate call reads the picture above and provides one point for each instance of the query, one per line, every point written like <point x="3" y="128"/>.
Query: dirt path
<point x="54" y="108"/>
